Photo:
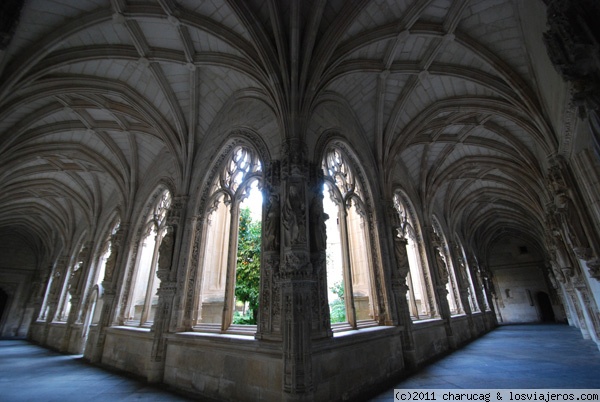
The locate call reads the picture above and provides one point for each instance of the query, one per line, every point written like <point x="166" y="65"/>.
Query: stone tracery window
<point x="96" y="275"/>
<point x="465" y="270"/>
<point x="349" y="259"/>
<point x="141" y="306"/>
<point x="64" y="301"/>
<point x="419" y="295"/>
<point x="234" y="212"/>
<point x="446" y="269"/>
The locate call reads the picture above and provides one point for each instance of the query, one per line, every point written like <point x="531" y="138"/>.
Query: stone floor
<point x="514" y="357"/>
<point x="31" y="373"/>
<point x="523" y="356"/>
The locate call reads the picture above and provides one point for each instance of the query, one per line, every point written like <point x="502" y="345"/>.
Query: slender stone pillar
<point x="441" y="277"/>
<point x="269" y="317"/>
<point x="400" y="289"/>
<point x="76" y="289"/>
<point x="39" y="287"/>
<point x="58" y="278"/>
<point x="167" y="273"/>
<point x="464" y="288"/>
<point x="115" y="261"/>
<point x="589" y="308"/>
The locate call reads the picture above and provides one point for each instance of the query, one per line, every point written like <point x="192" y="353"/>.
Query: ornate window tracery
<point x="349" y="258"/>
<point x="234" y="212"/>
<point x="465" y="270"/>
<point x="143" y="300"/>
<point x="445" y="268"/>
<point x="420" y="292"/>
<point x="64" y="301"/>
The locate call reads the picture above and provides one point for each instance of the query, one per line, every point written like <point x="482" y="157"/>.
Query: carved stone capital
<point x="594" y="268"/>
<point x="176" y="210"/>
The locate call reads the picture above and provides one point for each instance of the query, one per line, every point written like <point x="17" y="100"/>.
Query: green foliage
<point x="338" y="290"/>
<point x="243" y="319"/>
<point x="247" y="275"/>
<point x="337" y="307"/>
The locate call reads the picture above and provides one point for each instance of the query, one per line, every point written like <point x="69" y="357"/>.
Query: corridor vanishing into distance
<point x="296" y="200"/>
<point x="510" y="357"/>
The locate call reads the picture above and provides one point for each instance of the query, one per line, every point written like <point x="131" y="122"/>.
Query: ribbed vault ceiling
<point x="97" y="96"/>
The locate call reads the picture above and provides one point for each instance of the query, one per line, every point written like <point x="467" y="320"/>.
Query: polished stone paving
<point x="514" y="357"/>
<point x="510" y="357"/>
<point x="31" y="373"/>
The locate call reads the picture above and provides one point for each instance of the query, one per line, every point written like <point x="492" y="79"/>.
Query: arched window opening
<point x="465" y="271"/>
<point x="93" y="303"/>
<point x="480" y="282"/>
<point x="335" y="271"/>
<point x="247" y="272"/>
<point x="98" y="276"/>
<point x="349" y="259"/>
<point x="64" y="302"/>
<point x="419" y="286"/>
<point x="143" y="298"/>
<point x="230" y="285"/>
<point x="446" y="269"/>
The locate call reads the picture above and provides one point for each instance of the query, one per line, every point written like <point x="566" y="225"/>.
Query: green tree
<point x="337" y="307"/>
<point x="247" y="275"/>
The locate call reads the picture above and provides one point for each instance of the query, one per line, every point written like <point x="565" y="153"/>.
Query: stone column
<point x="299" y="280"/>
<point x="167" y="273"/>
<point x="269" y="317"/>
<point x="321" y="324"/>
<point x="464" y="287"/>
<point x="400" y="289"/>
<point x="589" y="308"/>
<point x="568" y="217"/>
<point x="441" y="276"/>
<point x="76" y="288"/>
<point x="38" y="291"/>
<point x="462" y="282"/>
<point x="114" y="263"/>
<point x="568" y="278"/>
<point x="58" y="278"/>
<point x="478" y="283"/>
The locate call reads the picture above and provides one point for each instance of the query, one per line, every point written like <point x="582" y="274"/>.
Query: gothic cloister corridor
<point x="297" y="200"/>
<point x="550" y="356"/>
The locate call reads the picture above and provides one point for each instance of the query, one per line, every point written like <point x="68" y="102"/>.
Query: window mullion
<point x="413" y="300"/>
<point x="151" y="276"/>
<point x="348" y="292"/>
<point x="229" y="302"/>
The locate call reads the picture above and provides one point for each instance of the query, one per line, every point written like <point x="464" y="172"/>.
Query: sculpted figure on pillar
<point x="317" y="223"/>
<point x="165" y="254"/>
<point x="111" y="261"/>
<point x="564" y="211"/>
<point x="55" y="282"/>
<point x="74" y="280"/>
<point x="294" y="216"/>
<point x="80" y="264"/>
<point x="441" y="264"/>
<point x="272" y="222"/>
<point x="400" y="252"/>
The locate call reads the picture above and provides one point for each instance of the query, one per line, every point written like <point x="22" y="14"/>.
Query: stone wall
<point x="226" y="367"/>
<point x="350" y="363"/>
<point x="127" y="349"/>
<point x="430" y="340"/>
<point x="518" y="287"/>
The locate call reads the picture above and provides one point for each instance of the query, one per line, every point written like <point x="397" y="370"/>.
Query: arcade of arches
<point x="295" y="199"/>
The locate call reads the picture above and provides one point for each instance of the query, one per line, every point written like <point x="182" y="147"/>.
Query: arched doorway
<point x="545" y="307"/>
